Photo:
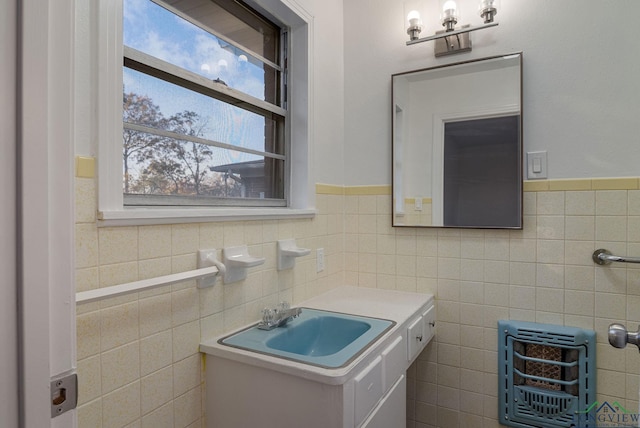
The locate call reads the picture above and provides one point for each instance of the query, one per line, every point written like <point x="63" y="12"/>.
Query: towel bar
<point x="144" y="284"/>
<point x="604" y="257"/>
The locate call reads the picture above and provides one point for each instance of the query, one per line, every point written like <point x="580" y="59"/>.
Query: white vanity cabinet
<point x="245" y="389"/>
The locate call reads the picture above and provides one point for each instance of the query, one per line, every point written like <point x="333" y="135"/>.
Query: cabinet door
<point x="394" y="362"/>
<point x="415" y="338"/>
<point x="429" y="320"/>
<point x="368" y="389"/>
<point x="392" y="409"/>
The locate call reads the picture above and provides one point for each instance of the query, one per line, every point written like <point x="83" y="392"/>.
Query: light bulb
<point x="450" y="9"/>
<point x="449" y="15"/>
<point x="488" y="9"/>
<point x="415" y="24"/>
<point x="414" y="18"/>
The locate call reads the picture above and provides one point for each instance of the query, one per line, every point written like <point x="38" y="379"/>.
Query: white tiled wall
<point x="543" y="273"/>
<point x="138" y="357"/>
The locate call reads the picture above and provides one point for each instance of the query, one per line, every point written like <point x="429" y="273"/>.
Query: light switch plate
<point x="319" y="259"/>
<point x="536" y="165"/>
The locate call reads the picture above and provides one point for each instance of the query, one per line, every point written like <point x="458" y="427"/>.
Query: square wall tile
<point x="159" y="418"/>
<point x="122" y="406"/>
<point x="579" y="302"/>
<point x="119" y="325"/>
<point x="85" y="193"/>
<point x="580" y="228"/>
<point x="186" y="340"/>
<point x="522" y="273"/>
<point x="550" y="299"/>
<point x="86" y="245"/>
<point x="89" y="379"/>
<point x="119" y="273"/>
<point x="90" y="414"/>
<point x="550" y="227"/>
<point x="522" y="250"/>
<point x="188" y="408"/>
<point x="611" y="202"/>
<point x="550" y="275"/>
<point x="496" y="272"/>
<point x="185" y="306"/>
<point x="633" y="202"/>
<point x="156" y="390"/>
<point x="611" y="228"/>
<point x="117" y="244"/>
<point x="471" y="292"/>
<point x="156" y="352"/>
<point x="609" y="305"/>
<point x="472" y="314"/>
<point x="185" y="238"/>
<point x="522" y="297"/>
<point x="154" y="242"/>
<point x="187" y="374"/>
<point x="580" y="203"/>
<point x="550" y="251"/>
<point x="120" y="366"/>
<point x="550" y="203"/>
<point x="88" y="334"/>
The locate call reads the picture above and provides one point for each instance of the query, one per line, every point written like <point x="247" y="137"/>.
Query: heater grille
<point x="547" y="374"/>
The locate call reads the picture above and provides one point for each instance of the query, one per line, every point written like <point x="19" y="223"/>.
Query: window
<point x="203" y="120"/>
<point x="203" y="105"/>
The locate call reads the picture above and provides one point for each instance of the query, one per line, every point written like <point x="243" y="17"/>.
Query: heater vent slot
<point x="546" y="374"/>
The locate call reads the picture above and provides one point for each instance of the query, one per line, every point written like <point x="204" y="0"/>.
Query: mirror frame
<point x="520" y="145"/>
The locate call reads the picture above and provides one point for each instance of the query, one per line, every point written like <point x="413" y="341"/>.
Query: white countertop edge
<point x="393" y="305"/>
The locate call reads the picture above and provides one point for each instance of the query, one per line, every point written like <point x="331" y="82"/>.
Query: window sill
<point x="151" y="216"/>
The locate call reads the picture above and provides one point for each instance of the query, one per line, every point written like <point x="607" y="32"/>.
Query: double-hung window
<point x="204" y="110"/>
<point x="204" y="105"/>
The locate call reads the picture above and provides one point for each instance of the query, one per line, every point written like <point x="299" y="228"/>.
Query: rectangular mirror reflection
<point x="457" y="145"/>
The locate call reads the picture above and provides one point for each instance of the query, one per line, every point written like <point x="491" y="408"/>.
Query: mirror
<point x="457" y="145"/>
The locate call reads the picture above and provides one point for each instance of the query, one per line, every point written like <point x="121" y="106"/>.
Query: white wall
<point x="327" y="93"/>
<point x="8" y="302"/>
<point x="581" y="91"/>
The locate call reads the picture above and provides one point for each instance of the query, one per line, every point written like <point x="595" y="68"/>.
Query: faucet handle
<point x="283" y="306"/>
<point x="268" y="315"/>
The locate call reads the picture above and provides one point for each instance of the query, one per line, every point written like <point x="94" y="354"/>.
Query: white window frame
<point x="299" y="126"/>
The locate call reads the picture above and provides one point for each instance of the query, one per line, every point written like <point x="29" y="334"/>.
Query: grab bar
<point x="604" y="257"/>
<point x="145" y="284"/>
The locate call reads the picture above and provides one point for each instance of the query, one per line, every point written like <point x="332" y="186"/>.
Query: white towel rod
<point x="145" y="284"/>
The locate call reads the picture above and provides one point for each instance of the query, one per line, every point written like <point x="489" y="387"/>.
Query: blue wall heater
<point x="546" y="375"/>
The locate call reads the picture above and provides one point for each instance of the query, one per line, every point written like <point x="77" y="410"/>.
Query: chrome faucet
<point x="278" y="316"/>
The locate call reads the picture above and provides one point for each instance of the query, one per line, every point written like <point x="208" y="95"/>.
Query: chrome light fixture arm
<point x="451" y="33"/>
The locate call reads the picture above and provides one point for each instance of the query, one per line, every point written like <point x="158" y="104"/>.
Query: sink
<point x="320" y="338"/>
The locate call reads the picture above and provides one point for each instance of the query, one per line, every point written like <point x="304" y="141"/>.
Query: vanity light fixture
<point x="450" y="40"/>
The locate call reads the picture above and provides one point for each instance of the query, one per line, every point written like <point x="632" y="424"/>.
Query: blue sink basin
<point x="321" y="338"/>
